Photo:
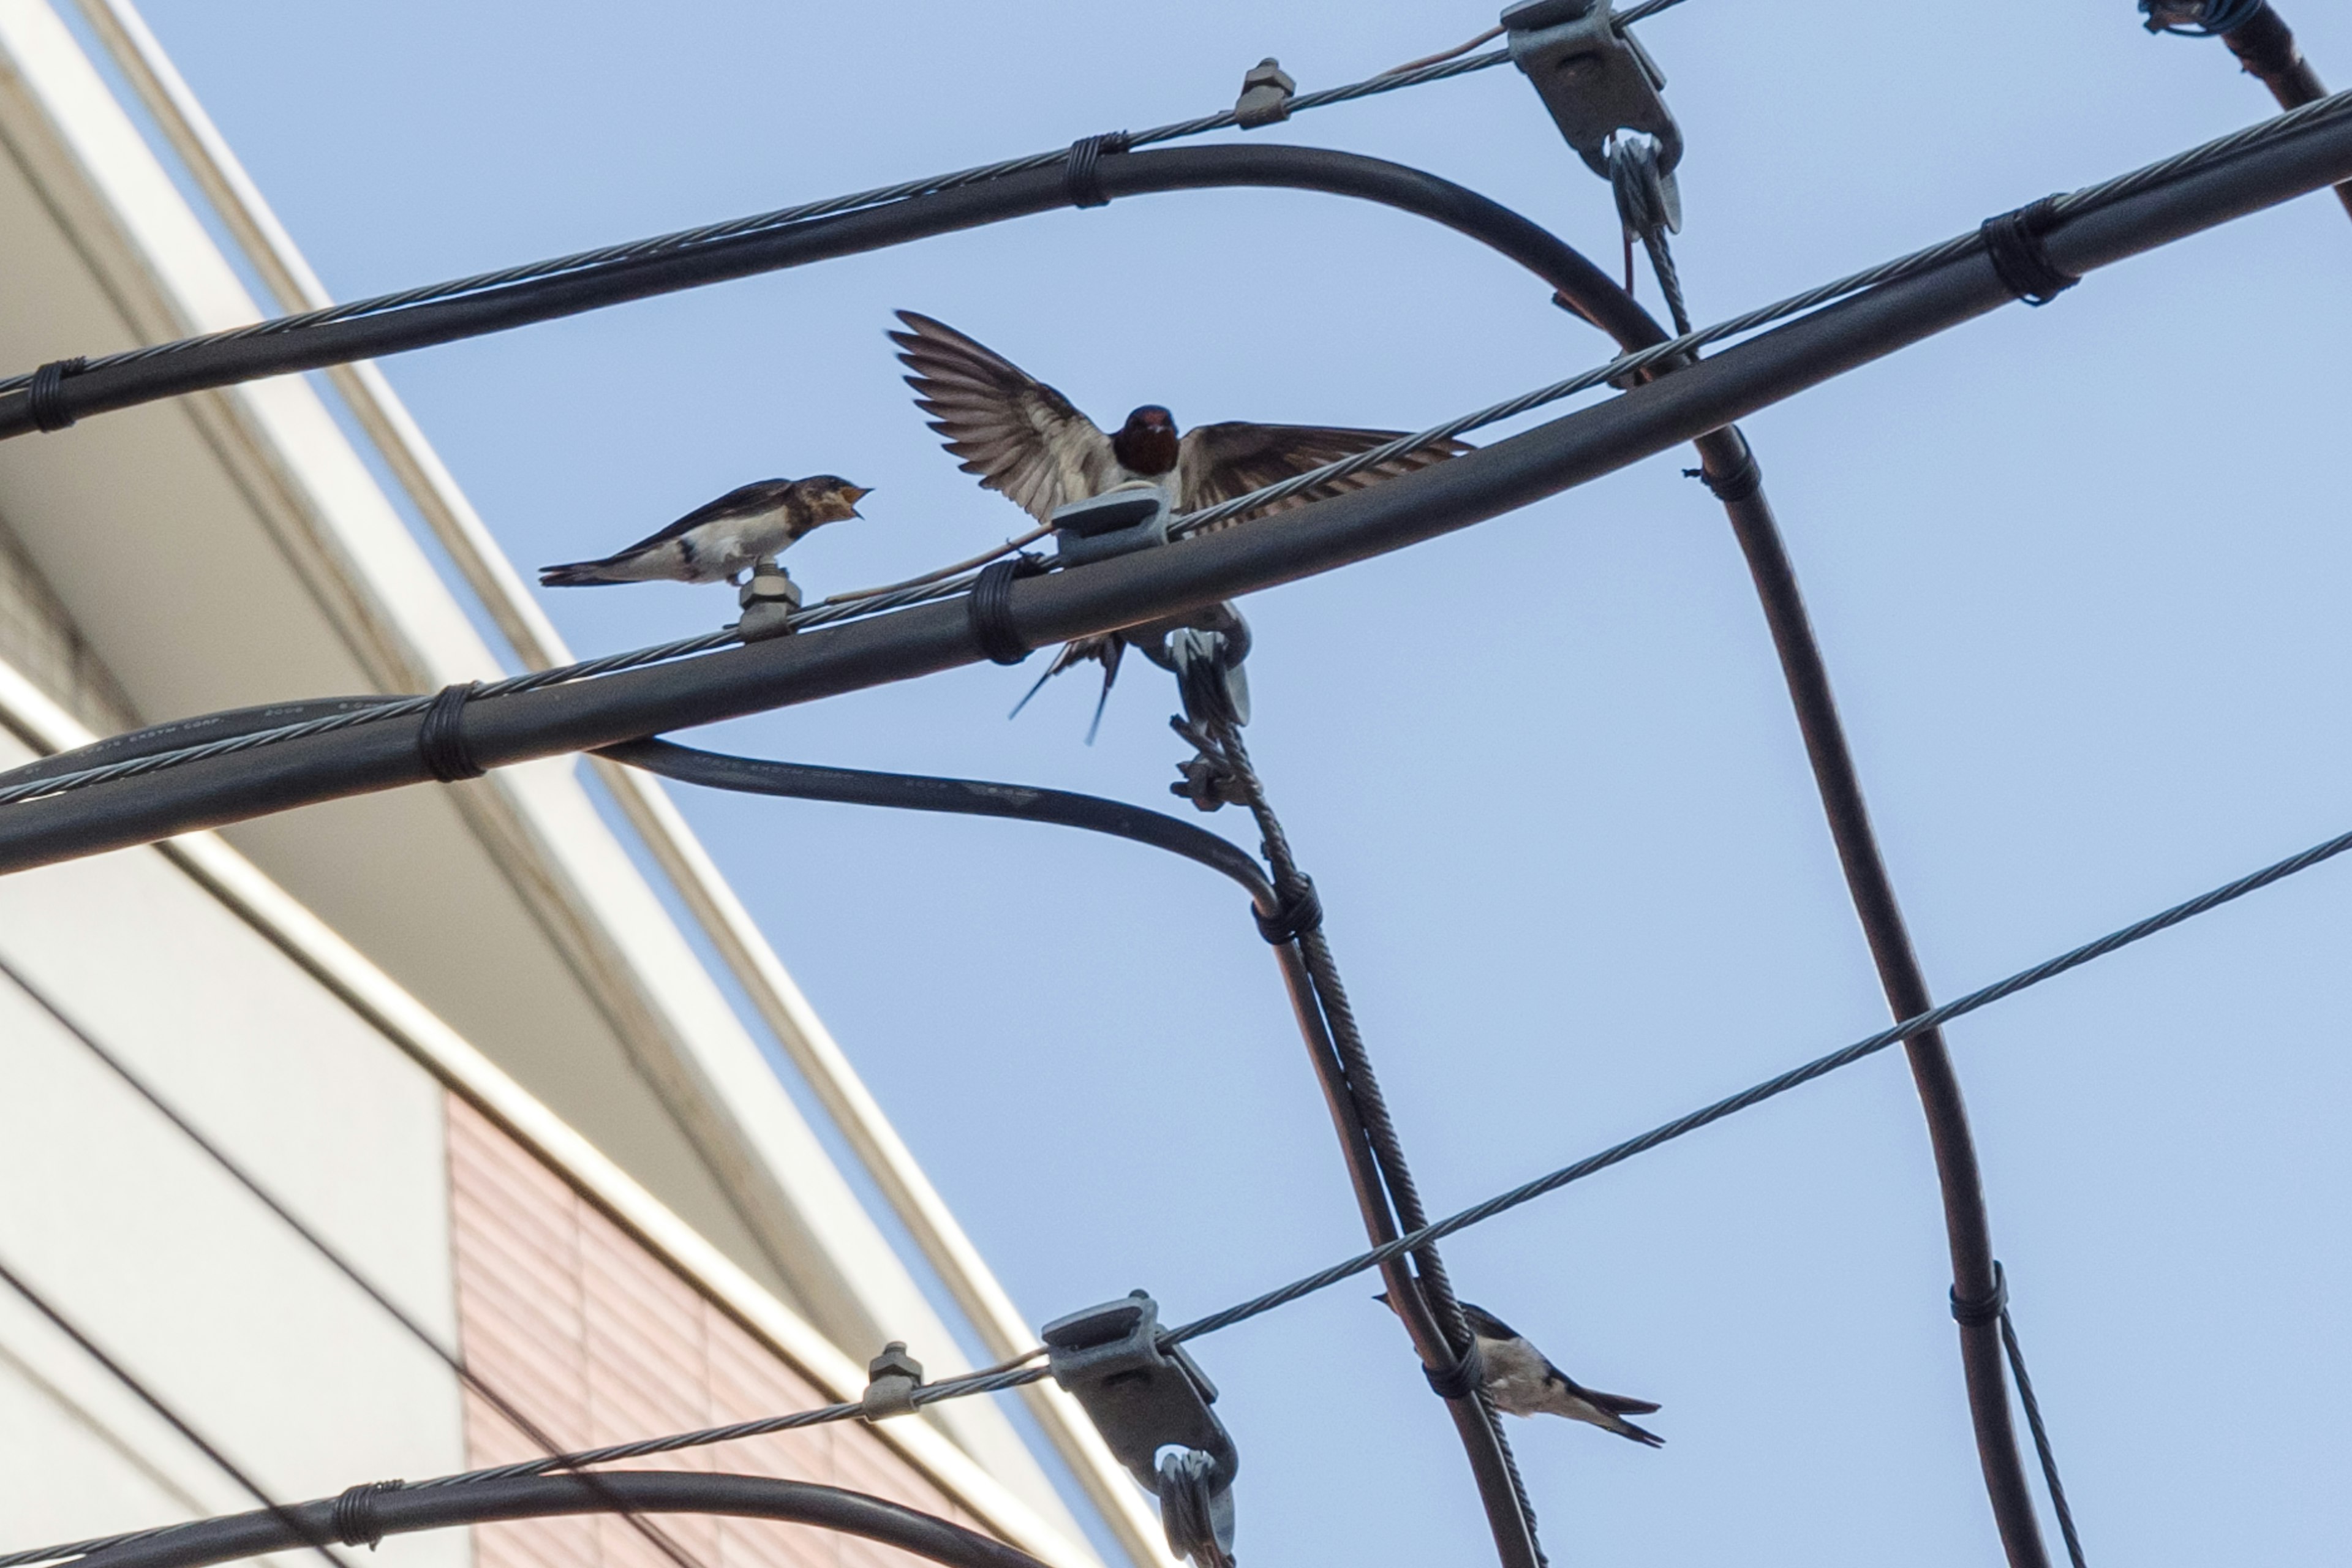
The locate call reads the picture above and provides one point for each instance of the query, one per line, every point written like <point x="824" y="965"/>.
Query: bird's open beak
<point x="856" y="493"/>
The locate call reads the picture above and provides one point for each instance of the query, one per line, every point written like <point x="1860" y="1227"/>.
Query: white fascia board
<point x="717" y="1079"/>
<point x="454" y="1061"/>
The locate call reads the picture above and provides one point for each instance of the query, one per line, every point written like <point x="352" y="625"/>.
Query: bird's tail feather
<point x="1110" y="657"/>
<point x="1641" y="1435"/>
<point x="1618" y="1404"/>
<point x="577" y="574"/>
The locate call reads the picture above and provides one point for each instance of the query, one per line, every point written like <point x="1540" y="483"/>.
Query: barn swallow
<point x="1029" y="443"/>
<point x="1522" y="1382"/>
<point x="721" y="539"/>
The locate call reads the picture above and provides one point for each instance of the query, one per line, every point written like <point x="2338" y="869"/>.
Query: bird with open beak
<point x="1521" y="1380"/>
<point x="719" y="539"/>
<point x="1030" y="443"/>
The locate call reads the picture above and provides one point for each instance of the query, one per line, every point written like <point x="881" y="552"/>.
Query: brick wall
<point x="598" y="1340"/>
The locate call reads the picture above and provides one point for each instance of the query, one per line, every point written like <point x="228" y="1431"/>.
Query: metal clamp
<point x="1266" y="95"/>
<point x="1132" y="516"/>
<point x="1595" y="81"/>
<point x="892" y="1378"/>
<point x="1144" y="1399"/>
<point x="770" y="601"/>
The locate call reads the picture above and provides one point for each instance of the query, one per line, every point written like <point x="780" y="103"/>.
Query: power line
<point x="684" y="240"/>
<point x="171" y="1417"/>
<point x="997" y="1381"/>
<point x="496" y="1400"/>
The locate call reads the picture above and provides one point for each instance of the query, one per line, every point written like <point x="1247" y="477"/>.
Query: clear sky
<point x="2079" y="572"/>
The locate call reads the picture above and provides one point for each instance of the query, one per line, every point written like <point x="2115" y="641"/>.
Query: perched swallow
<point x="1031" y="444"/>
<point x="1522" y="1382"/>
<point x="719" y="539"/>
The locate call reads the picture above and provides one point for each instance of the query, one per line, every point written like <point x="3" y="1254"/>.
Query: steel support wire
<point x="326" y="1249"/>
<point x="1374" y="1159"/>
<point x="365" y="1515"/>
<point x="295" y="1529"/>
<point x="1568" y="451"/>
<point x="997" y="1380"/>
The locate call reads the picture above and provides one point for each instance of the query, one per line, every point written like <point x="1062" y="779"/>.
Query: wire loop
<point x="354" y="1518"/>
<point x="46" y="396"/>
<point x="1461" y="1380"/>
<point x="441" y="738"/>
<point x="989" y="607"/>
<point x="1082" y="171"/>
<point x="2013" y="241"/>
<point x="1301" y="913"/>
<point x="1986" y="1309"/>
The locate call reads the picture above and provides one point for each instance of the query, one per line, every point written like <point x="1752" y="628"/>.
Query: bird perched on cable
<point x="719" y="539"/>
<point x="1029" y="443"/>
<point x="1522" y="1382"/>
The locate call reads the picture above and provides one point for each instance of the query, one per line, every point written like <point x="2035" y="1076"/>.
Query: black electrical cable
<point x="1285" y="921"/>
<point x="392" y="1509"/>
<point x="2153" y="207"/>
<point x="319" y="1244"/>
<point x="1324" y="1278"/>
<point x="966" y="797"/>
<point x="287" y="1518"/>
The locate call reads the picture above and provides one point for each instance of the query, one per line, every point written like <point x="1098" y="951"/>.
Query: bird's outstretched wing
<point x="1218" y="462"/>
<point x="1021" y="437"/>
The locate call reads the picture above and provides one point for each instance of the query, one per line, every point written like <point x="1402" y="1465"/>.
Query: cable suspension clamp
<point x="1128" y="517"/>
<point x="1144" y="1399"/>
<point x="1266" y="95"/>
<point x="892" y="1378"/>
<point x="1595" y="81"/>
<point x="769" y="600"/>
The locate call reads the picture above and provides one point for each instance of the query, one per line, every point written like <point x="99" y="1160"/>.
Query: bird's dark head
<point x="831" y="497"/>
<point x="1146" y="443"/>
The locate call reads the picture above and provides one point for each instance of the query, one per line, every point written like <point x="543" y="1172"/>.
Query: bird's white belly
<point x="723" y="548"/>
<point x="1515" y="1378"/>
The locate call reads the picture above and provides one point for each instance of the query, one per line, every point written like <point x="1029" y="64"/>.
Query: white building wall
<point x="134" y="1234"/>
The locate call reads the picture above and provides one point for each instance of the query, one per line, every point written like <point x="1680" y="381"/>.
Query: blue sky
<point x="2080" y="574"/>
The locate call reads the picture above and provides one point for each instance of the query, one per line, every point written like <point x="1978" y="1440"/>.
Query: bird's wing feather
<point x="1021" y="437"/>
<point x="1218" y="462"/>
<point x="1618" y="1404"/>
<point x="1485" y="1324"/>
<point x="743" y="500"/>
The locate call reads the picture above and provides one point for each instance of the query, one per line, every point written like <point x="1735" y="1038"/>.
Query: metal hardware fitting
<point x="892" y="1378"/>
<point x="769" y="600"/>
<point x="1595" y="81"/>
<point x="1132" y="516"/>
<point x="1266" y="95"/>
<point x="1144" y="1399"/>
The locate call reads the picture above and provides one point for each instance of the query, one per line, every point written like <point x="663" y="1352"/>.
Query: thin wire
<point x="2040" y="1440"/>
<point x="1628" y="364"/>
<point x="994" y="1380"/>
<point x="1617" y="1154"/>
<point x="179" y="1424"/>
<point x="1624" y="366"/>
<point x="686" y="240"/>
<point x="497" y="1401"/>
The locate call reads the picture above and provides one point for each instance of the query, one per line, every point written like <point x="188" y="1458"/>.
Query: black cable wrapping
<point x="46" y="396"/>
<point x="2013" y="242"/>
<point x="441" y="738"/>
<point x="355" y="1517"/>
<point x="989" y="605"/>
<point x="1082" y="171"/>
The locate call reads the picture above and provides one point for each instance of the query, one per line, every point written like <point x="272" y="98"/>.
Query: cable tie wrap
<point x="989" y="607"/>
<point x="441" y="738"/>
<point x="2013" y="241"/>
<point x="46" y="397"/>
<point x="1987" y="1310"/>
<point x="1736" y="486"/>
<point x="1461" y="1380"/>
<point x="1301" y="914"/>
<point x="354" y="1520"/>
<point x="1082" y="171"/>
